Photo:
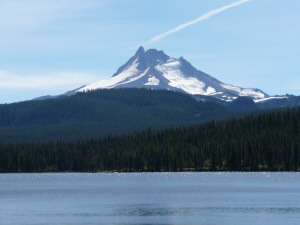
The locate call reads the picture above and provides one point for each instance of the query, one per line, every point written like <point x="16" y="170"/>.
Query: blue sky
<point x="52" y="46"/>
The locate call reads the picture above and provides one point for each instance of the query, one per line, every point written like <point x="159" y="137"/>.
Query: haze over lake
<point x="150" y="198"/>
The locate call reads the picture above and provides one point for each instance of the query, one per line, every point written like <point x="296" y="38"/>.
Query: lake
<point x="150" y="198"/>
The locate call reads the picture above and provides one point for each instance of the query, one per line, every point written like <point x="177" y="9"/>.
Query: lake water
<point x="150" y="198"/>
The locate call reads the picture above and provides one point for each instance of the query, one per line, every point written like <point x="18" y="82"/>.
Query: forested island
<point x="265" y="142"/>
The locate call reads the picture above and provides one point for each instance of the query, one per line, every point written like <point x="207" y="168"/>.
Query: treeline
<point x="265" y="142"/>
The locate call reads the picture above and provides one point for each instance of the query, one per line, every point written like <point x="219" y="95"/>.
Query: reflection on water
<point x="151" y="198"/>
<point x="152" y="211"/>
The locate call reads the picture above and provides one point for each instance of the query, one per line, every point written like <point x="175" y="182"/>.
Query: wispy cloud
<point x="199" y="19"/>
<point x="10" y="80"/>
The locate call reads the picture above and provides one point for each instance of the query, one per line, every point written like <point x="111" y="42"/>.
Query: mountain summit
<point x="156" y="70"/>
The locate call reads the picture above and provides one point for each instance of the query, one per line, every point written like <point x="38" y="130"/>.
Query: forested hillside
<point x="265" y="142"/>
<point x="101" y="113"/>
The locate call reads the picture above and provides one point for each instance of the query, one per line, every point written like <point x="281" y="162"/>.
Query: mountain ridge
<point x="101" y="113"/>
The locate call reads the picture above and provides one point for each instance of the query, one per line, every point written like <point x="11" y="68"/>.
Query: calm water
<point x="150" y="198"/>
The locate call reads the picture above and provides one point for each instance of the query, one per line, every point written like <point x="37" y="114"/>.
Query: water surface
<point x="150" y="198"/>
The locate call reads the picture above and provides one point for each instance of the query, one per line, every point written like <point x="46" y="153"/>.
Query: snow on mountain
<point x="156" y="70"/>
<point x="270" y="98"/>
<point x="255" y="93"/>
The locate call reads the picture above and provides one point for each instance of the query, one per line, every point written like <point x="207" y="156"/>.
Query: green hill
<point x="101" y="113"/>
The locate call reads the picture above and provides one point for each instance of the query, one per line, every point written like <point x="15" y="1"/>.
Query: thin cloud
<point x="23" y="17"/>
<point x="199" y="19"/>
<point x="9" y="80"/>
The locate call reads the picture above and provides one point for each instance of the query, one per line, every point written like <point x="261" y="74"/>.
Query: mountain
<point x="243" y="104"/>
<point x="278" y="102"/>
<point x="68" y="93"/>
<point x="155" y="70"/>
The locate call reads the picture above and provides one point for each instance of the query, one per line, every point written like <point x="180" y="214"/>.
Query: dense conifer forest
<point x="101" y="113"/>
<point x="265" y="142"/>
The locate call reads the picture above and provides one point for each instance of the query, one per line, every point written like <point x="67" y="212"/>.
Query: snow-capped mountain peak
<point x="156" y="70"/>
